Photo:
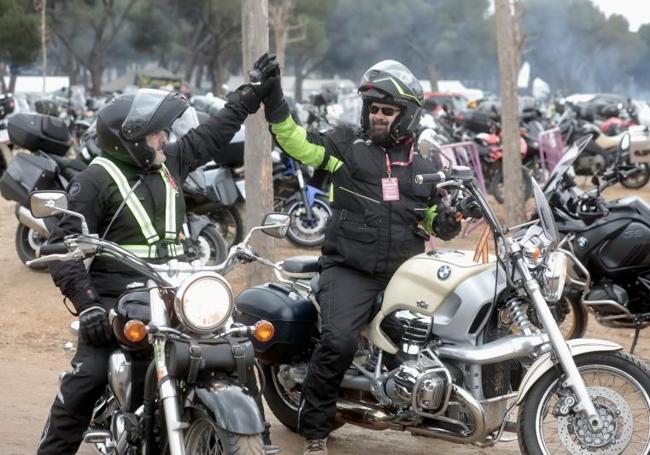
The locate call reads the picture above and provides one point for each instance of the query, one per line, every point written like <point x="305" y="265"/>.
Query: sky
<point x="637" y="12"/>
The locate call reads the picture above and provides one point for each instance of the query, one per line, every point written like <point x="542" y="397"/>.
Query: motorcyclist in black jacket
<point x="376" y="210"/>
<point x="131" y="195"/>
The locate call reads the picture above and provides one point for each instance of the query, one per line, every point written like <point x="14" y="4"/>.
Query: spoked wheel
<point x="27" y="242"/>
<point x="204" y="437"/>
<point x="283" y="395"/>
<point x="618" y="385"/>
<point x="308" y="232"/>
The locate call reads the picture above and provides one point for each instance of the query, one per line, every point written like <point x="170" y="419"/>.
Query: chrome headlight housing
<point x="553" y="276"/>
<point x="204" y="302"/>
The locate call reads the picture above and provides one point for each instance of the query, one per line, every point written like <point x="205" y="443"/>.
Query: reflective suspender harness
<point x="150" y="250"/>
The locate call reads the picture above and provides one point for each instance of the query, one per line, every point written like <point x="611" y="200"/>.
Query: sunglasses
<point x="387" y="111"/>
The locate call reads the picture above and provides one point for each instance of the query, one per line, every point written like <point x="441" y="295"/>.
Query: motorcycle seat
<point x="69" y="168"/>
<point x="301" y="266"/>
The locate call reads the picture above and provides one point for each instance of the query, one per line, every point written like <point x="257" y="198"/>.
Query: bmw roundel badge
<point x="444" y="272"/>
<point x="582" y="242"/>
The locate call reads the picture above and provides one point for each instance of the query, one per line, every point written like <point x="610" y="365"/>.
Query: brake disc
<point x="615" y="414"/>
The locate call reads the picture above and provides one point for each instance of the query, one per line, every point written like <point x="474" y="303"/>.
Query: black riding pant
<point x="346" y="297"/>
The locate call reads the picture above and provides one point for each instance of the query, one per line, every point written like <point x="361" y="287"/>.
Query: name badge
<point x="390" y="189"/>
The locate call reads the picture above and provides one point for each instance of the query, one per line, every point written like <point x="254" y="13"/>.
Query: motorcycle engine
<point x="424" y="384"/>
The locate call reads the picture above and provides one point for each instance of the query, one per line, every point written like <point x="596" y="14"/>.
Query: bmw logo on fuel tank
<point x="444" y="272"/>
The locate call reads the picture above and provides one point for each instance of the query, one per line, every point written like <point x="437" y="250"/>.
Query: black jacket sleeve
<point x="85" y="196"/>
<point x="203" y="143"/>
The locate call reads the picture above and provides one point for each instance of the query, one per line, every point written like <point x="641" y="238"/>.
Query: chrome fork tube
<point x="166" y="387"/>
<point x="574" y="381"/>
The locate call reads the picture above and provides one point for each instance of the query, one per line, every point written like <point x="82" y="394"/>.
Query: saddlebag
<point x="294" y="319"/>
<point x="27" y="173"/>
<point x="39" y="132"/>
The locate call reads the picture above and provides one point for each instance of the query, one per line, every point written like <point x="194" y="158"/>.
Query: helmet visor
<point x="183" y="124"/>
<point x="144" y="106"/>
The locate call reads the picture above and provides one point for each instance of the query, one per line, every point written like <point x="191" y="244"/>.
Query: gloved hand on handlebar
<point x="446" y="225"/>
<point x="94" y="326"/>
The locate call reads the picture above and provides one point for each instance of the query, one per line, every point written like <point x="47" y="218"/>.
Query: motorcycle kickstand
<point x="637" y="329"/>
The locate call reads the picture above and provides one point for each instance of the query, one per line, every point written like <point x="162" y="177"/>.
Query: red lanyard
<point x="389" y="164"/>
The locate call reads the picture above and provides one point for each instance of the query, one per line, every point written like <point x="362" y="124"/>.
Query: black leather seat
<point x="301" y="264"/>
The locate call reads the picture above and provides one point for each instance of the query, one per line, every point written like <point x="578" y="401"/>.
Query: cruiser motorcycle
<point x="476" y="341"/>
<point x="607" y="241"/>
<point x="181" y="381"/>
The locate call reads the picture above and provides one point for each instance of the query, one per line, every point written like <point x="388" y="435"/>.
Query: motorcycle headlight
<point x="554" y="276"/>
<point x="204" y="302"/>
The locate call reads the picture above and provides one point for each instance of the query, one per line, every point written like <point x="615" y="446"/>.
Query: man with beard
<point x="376" y="211"/>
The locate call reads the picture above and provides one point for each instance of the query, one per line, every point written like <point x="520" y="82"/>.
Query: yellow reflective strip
<point x="333" y="164"/>
<point x="138" y="211"/>
<point x="170" y="204"/>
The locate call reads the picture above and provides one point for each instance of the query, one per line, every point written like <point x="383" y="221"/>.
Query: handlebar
<point x="437" y="177"/>
<point x="53" y="248"/>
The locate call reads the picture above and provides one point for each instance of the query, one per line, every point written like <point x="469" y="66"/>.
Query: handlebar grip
<point x="437" y="177"/>
<point x="54" y="248"/>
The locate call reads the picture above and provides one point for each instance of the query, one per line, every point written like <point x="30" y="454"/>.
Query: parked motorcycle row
<point x="456" y="349"/>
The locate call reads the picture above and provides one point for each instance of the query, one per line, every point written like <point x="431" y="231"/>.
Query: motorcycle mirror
<point x="276" y="224"/>
<point x="48" y="203"/>
<point x="624" y="144"/>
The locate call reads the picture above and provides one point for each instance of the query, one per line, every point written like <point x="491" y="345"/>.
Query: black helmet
<point x="391" y="82"/>
<point x="124" y="123"/>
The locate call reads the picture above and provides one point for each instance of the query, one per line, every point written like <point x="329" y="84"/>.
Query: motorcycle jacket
<point x="143" y="211"/>
<point x="376" y="204"/>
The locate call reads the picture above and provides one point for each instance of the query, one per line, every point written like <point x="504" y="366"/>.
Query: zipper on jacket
<point x="360" y="195"/>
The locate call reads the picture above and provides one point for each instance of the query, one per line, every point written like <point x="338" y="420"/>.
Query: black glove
<point x="264" y="69"/>
<point x="445" y="225"/>
<point x="247" y="97"/>
<point x="94" y="327"/>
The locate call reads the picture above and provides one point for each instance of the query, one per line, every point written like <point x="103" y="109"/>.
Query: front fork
<point x="166" y="386"/>
<point x="573" y="380"/>
<point x="303" y="192"/>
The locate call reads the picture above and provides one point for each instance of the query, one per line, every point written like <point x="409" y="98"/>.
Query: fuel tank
<point x="436" y="284"/>
<point x="618" y="244"/>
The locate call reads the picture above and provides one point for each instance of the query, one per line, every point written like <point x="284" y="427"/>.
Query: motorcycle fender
<point x="545" y="362"/>
<point x="233" y="410"/>
<point x="197" y="223"/>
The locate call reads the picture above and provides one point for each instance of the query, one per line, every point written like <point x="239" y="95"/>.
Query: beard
<point x="379" y="133"/>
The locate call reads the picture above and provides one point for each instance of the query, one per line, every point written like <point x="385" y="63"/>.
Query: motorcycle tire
<point x="496" y="186"/>
<point x="27" y="240"/>
<point x="570" y="314"/>
<point x="230" y="224"/>
<point x="283" y="406"/>
<point x="305" y="235"/>
<point x="204" y="436"/>
<point x="638" y="180"/>
<point x="212" y="247"/>
<point x="629" y="379"/>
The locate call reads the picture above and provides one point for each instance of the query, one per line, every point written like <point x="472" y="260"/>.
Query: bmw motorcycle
<point x="476" y="340"/>
<point x="608" y="242"/>
<point x="180" y="381"/>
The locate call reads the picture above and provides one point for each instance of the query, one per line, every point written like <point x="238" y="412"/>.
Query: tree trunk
<point x="512" y="175"/>
<point x="96" y="72"/>
<point x="199" y="76"/>
<point x="257" y="149"/>
<point x="298" y="68"/>
<point x="433" y="77"/>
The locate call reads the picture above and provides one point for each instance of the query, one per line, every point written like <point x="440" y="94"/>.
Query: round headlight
<point x="204" y="302"/>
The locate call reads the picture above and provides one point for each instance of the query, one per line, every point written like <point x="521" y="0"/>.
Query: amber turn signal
<point x="537" y="254"/>
<point x="135" y="330"/>
<point x="264" y="331"/>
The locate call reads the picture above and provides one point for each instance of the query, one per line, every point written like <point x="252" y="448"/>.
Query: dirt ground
<point x="33" y="333"/>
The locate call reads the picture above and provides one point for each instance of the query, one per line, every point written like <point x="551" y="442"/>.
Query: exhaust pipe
<point x="363" y="415"/>
<point x="463" y="437"/>
<point x="511" y="347"/>
<point x="26" y="218"/>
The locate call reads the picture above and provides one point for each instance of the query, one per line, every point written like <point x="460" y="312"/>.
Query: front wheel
<point x="638" y="179"/>
<point x="209" y="247"/>
<point x="27" y="242"/>
<point x="618" y="384"/>
<point x="308" y="232"/>
<point x="204" y="436"/>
